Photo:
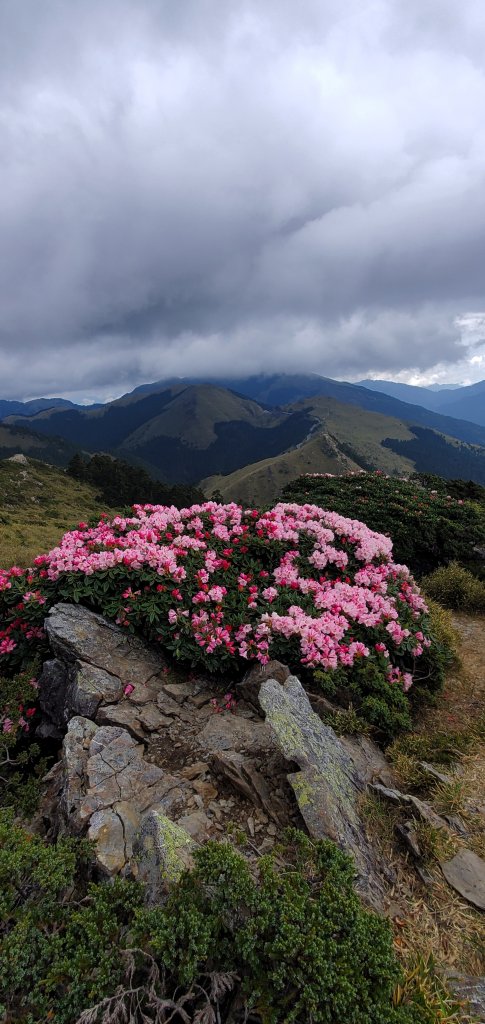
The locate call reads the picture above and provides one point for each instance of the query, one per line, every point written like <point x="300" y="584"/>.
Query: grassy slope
<point x="341" y="424"/>
<point x="38" y="503"/>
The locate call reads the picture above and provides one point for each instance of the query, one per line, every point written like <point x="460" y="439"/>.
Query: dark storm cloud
<point x="240" y="186"/>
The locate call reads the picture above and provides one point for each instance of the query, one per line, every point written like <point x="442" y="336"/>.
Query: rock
<point x="89" y="686"/>
<point x="181" y="691"/>
<point x="194" y="771"/>
<point x="433" y="773"/>
<point x="75" y="633"/>
<point x="472" y="990"/>
<point x="243" y="775"/>
<point x="328" y="787"/>
<point x="75" y="758"/>
<point x="95" y="661"/>
<point x="53" y="682"/>
<point x="422" y="809"/>
<point x="196" y="824"/>
<point x="410" y="838"/>
<point x="231" y="732"/>
<point x="368" y="759"/>
<point x="456" y="824"/>
<point x="21" y="459"/>
<point x="206" y="790"/>
<point x="465" y="872"/>
<point x="162" y="851"/>
<point x="106" y="831"/>
<point x="141" y="721"/>
<point x="200" y="699"/>
<point x="251" y="684"/>
<point x="107" y="785"/>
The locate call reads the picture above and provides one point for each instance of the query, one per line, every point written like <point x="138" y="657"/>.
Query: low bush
<point x="217" y="586"/>
<point x="293" y="946"/>
<point x="442" y="630"/>
<point x="455" y="587"/>
<point x="429" y="527"/>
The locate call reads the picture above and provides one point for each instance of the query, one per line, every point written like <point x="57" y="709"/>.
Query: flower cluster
<point x="217" y="585"/>
<point x="228" y="703"/>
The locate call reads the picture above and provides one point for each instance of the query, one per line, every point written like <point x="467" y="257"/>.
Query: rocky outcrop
<point x="138" y="741"/>
<point x="147" y="757"/>
<point x="472" y="991"/>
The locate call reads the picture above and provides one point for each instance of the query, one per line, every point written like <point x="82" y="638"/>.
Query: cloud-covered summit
<point x="215" y="185"/>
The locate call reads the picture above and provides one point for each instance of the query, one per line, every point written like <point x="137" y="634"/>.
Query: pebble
<point x="216" y="810"/>
<point x="251" y="826"/>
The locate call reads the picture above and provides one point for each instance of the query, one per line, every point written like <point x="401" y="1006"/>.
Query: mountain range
<point x="460" y="402"/>
<point x="248" y="437"/>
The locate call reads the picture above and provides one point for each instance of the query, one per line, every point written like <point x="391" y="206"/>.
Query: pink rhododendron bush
<point x="219" y="587"/>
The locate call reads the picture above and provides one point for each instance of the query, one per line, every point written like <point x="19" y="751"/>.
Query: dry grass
<point x="38" y="503"/>
<point x="430" y="918"/>
<point x="434" y="924"/>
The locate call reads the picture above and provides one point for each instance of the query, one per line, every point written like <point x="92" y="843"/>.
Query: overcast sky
<point x="195" y="186"/>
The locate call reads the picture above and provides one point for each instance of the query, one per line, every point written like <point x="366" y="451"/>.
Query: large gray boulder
<point x="328" y="786"/>
<point x="76" y="633"/>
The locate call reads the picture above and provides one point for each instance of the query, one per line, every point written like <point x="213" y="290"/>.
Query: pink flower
<point x="128" y="689"/>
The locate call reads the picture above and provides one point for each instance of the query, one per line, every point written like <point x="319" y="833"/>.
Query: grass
<point x="423" y="984"/>
<point x="38" y="503"/>
<point x="436" y="930"/>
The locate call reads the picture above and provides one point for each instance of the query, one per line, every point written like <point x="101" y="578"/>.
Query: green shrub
<point x="455" y="587"/>
<point x="429" y="527"/>
<point x="442" y="630"/>
<point x="292" y="947"/>
<point x="374" y="699"/>
<point x="301" y="942"/>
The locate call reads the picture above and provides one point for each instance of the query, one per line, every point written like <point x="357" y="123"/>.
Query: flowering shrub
<point x="429" y="526"/>
<point x="19" y="695"/>
<point x="218" y="586"/>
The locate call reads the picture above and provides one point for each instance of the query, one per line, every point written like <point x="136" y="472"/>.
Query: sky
<point x="240" y="186"/>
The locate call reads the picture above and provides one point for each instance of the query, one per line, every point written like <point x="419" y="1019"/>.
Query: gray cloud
<point x="237" y="186"/>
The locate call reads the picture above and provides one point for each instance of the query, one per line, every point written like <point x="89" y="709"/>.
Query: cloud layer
<point x="238" y="186"/>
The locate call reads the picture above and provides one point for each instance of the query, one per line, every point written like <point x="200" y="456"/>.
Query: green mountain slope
<point x="19" y="439"/>
<point x="186" y="432"/>
<point x="348" y="438"/>
<point x="344" y="439"/>
<point x="284" y="389"/>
